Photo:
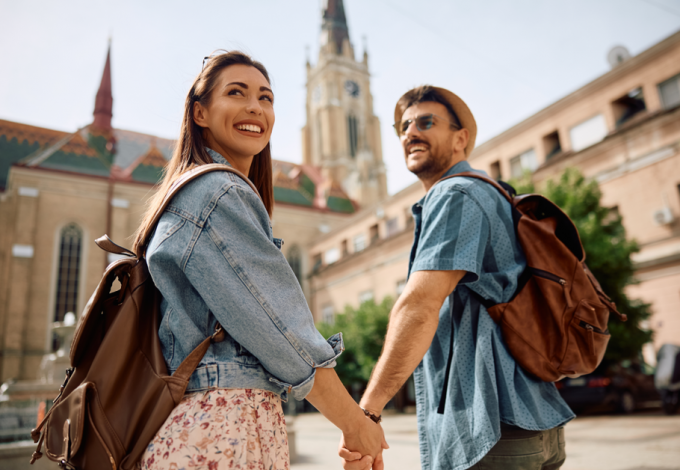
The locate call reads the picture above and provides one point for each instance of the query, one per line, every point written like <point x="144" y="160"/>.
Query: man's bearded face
<point x="428" y="153"/>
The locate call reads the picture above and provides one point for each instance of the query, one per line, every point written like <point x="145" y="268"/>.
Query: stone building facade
<point x="59" y="191"/>
<point x="622" y="129"/>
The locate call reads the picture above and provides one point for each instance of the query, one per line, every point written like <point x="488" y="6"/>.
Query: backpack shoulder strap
<point x="182" y="181"/>
<point x="492" y="182"/>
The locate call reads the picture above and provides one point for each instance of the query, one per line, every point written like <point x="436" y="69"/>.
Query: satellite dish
<point x="617" y="55"/>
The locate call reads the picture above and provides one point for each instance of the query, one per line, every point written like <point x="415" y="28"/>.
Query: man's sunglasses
<point x="423" y="123"/>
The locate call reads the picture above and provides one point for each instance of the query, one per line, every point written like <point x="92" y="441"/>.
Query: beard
<point x="433" y="166"/>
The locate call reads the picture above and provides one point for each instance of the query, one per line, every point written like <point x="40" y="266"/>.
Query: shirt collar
<point x="459" y="167"/>
<point x="217" y="158"/>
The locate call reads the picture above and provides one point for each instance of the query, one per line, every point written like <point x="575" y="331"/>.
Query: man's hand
<point x="355" y="461"/>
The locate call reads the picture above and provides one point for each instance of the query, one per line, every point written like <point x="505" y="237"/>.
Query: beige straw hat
<point x="467" y="120"/>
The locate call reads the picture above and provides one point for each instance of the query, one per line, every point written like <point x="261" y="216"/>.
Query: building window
<point x="316" y="262"/>
<point x="523" y="162"/>
<point x="365" y="296"/>
<point x="495" y="170"/>
<point x="352" y="133"/>
<point x="331" y="255"/>
<point x="68" y="273"/>
<point x="588" y="133"/>
<point x="374" y="233"/>
<point x="612" y="215"/>
<point x="391" y="226"/>
<point x="401" y="285"/>
<point x="628" y="106"/>
<point x="669" y="92"/>
<point x="551" y="145"/>
<point x="345" y="249"/>
<point x="359" y="242"/>
<point x="328" y="314"/>
<point x="295" y="261"/>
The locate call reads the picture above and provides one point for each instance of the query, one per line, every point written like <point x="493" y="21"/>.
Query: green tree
<point x="363" y="330"/>
<point x="608" y="255"/>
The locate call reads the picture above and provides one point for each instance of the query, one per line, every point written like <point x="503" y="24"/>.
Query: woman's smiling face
<point x="239" y="117"/>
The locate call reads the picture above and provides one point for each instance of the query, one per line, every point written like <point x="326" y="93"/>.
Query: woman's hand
<point x="360" y="433"/>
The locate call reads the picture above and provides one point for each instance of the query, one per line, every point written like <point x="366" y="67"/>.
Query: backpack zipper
<point x="591" y="336"/>
<point x="554" y="278"/>
<point x="588" y="326"/>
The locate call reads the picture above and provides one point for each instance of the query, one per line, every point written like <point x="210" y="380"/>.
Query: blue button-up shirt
<point x="465" y="224"/>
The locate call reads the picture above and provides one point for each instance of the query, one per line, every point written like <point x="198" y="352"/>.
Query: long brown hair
<point x="190" y="150"/>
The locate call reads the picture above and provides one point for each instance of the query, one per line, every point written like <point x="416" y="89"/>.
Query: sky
<point x="506" y="59"/>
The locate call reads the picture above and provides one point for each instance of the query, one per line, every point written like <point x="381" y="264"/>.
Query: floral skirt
<point x="222" y="429"/>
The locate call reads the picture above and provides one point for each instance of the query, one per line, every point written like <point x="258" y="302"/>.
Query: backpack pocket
<point x="588" y="339"/>
<point x="86" y="438"/>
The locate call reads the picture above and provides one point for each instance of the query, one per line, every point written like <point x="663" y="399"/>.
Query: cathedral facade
<point x="61" y="190"/>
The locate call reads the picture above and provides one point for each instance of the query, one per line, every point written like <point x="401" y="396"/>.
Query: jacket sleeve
<point x="248" y="285"/>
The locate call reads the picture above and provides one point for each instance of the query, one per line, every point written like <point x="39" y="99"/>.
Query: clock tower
<point x="342" y="135"/>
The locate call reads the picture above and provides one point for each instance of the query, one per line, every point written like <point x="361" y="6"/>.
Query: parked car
<point x="623" y="387"/>
<point x="667" y="377"/>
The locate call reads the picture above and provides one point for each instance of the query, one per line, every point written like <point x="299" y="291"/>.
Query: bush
<point x="363" y="331"/>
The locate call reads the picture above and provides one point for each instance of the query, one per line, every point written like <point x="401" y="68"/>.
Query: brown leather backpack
<point x="118" y="393"/>
<point x="555" y="325"/>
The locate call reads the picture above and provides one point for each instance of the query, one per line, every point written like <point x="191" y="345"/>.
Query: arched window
<point x="353" y="134"/>
<point x="295" y="261"/>
<point x="68" y="273"/>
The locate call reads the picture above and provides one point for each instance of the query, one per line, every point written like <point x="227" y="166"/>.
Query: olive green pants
<point x="519" y="449"/>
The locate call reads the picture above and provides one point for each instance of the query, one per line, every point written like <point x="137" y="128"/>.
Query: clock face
<point x="352" y="88"/>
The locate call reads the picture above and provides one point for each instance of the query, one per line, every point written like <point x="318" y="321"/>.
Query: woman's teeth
<point x="249" y="127"/>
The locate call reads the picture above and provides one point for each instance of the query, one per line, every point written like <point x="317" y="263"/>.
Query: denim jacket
<point x="213" y="258"/>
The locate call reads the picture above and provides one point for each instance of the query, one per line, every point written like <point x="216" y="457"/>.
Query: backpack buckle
<point x="65" y="465"/>
<point x="218" y="335"/>
<point x="69" y="372"/>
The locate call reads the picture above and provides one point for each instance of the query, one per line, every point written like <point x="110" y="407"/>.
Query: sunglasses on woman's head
<point x="423" y="123"/>
<point x="211" y="56"/>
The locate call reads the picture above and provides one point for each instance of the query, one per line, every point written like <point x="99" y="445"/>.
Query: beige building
<point x="622" y="129"/>
<point x="59" y="191"/>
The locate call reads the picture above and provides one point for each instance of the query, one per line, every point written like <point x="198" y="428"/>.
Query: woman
<point x="214" y="259"/>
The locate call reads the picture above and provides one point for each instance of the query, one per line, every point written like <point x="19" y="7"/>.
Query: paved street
<point x="649" y="441"/>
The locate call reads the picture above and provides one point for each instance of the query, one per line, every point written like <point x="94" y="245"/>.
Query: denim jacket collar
<point x="217" y="158"/>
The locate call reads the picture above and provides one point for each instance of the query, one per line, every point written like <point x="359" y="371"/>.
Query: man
<point x="476" y="407"/>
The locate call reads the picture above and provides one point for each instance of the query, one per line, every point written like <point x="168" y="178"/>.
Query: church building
<point x="61" y="190"/>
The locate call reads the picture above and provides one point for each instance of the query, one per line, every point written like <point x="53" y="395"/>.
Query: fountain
<point x="23" y="403"/>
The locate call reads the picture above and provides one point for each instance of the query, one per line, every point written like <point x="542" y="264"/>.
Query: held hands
<point x="367" y="442"/>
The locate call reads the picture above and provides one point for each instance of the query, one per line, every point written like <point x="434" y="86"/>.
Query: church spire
<point x="335" y="24"/>
<point x="103" y="105"/>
